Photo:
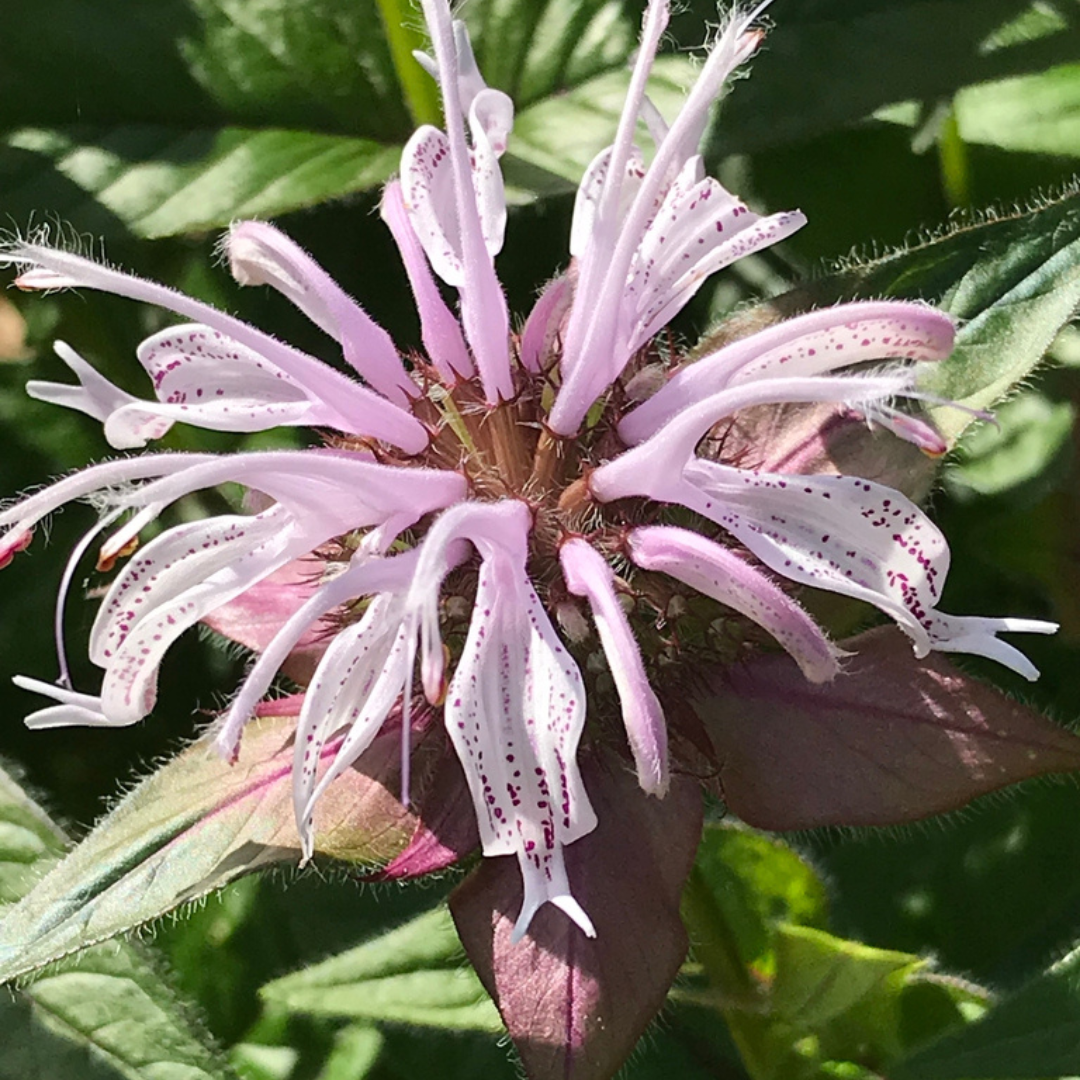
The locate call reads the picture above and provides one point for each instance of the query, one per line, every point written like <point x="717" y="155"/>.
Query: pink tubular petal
<point x="502" y="526"/>
<point x="362" y="578"/>
<point x="599" y="332"/>
<point x="806" y="345"/>
<point x="21" y="516"/>
<point x="587" y="574"/>
<point x="839" y="533"/>
<point x="330" y="491"/>
<point x="654" y="467"/>
<point x="94" y="395"/>
<point x="439" y="329"/>
<point x="259" y="254"/>
<point x="357" y="409"/>
<point x="483" y="305"/>
<point x="544" y="324"/>
<point x="515" y="711"/>
<point x="724" y="575"/>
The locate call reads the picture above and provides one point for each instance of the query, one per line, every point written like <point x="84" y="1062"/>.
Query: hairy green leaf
<point x="415" y="974"/>
<point x="355" y="1053"/>
<point x="1035" y="1032"/>
<point x="192" y="826"/>
<point x="819" y="976"/>
<point x="105" y="1013"/>
<point x="1012" y="281"/>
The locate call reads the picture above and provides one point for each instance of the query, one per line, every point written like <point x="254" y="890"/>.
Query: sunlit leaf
<point x="1029" y="433"/>
<point x="192" y="826"/>
<point x="831" y="63"/>
<point x="106" y="1013"/>
<point x="156" y="180"/>
<point x="355" y="1053"/>
<point x="819" y="976"/>
<point x="758" y="882"/>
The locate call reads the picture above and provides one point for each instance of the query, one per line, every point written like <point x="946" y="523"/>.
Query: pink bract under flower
<point x="477" y="540"/>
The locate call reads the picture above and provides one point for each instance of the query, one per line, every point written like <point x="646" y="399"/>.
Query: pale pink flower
<point x="452" y="484"/>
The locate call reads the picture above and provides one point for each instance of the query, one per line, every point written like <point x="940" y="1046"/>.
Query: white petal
<point x="515" y="711"/>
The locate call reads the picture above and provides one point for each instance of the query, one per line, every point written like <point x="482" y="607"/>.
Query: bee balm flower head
<point x="500" y="518"/>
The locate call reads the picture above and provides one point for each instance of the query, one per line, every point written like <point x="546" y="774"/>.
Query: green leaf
<point x="1029" y="433"/>
<point x="29" y="841"/>
<point x="415" y="974"/>
<point x="1036" y="114"/>
<point x="194" y="825"/>
<point x="858" y="56"/>
<point x="1012" y="281"/>
<point x="758" y="881"/>
<point x="1035" y="1032"/>
<point x="106" y="1013"/>
<point x="355" y="1053"/>
<point x="156" y="180"/>
<point x="320" y="65"/>
<point x="819" y="977"/>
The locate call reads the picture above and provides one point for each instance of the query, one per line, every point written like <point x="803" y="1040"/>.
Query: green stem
<point x="953" y="162"/>
<point x="715" y="947"/>
<point x="417" y="87"/>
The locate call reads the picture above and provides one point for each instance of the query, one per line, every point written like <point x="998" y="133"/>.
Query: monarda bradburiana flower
<point x="534" y="531"/>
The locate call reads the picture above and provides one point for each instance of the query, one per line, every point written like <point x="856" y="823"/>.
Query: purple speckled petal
<point x="587" y="574"/>
<point x="726" y="576"/>
<point x="164" y="591"/>
<point x="355" y="686"/>
<point x="357" y="409"/>
<point x="811" y="344"/>
<point x="203" y="378"/>
<point x="439" y="328"/>
<point x="457" y="213"/>
<point x="515" y="711"/>
<point x="584" y="241"/>
<point x="599" y="331"/>
<point x="259" y="254"/>
<point x="654" y="467"/>
<point x="365" y="576"/>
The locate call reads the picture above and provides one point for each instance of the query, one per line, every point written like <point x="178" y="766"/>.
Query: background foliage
<point x="142" y="128"/>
